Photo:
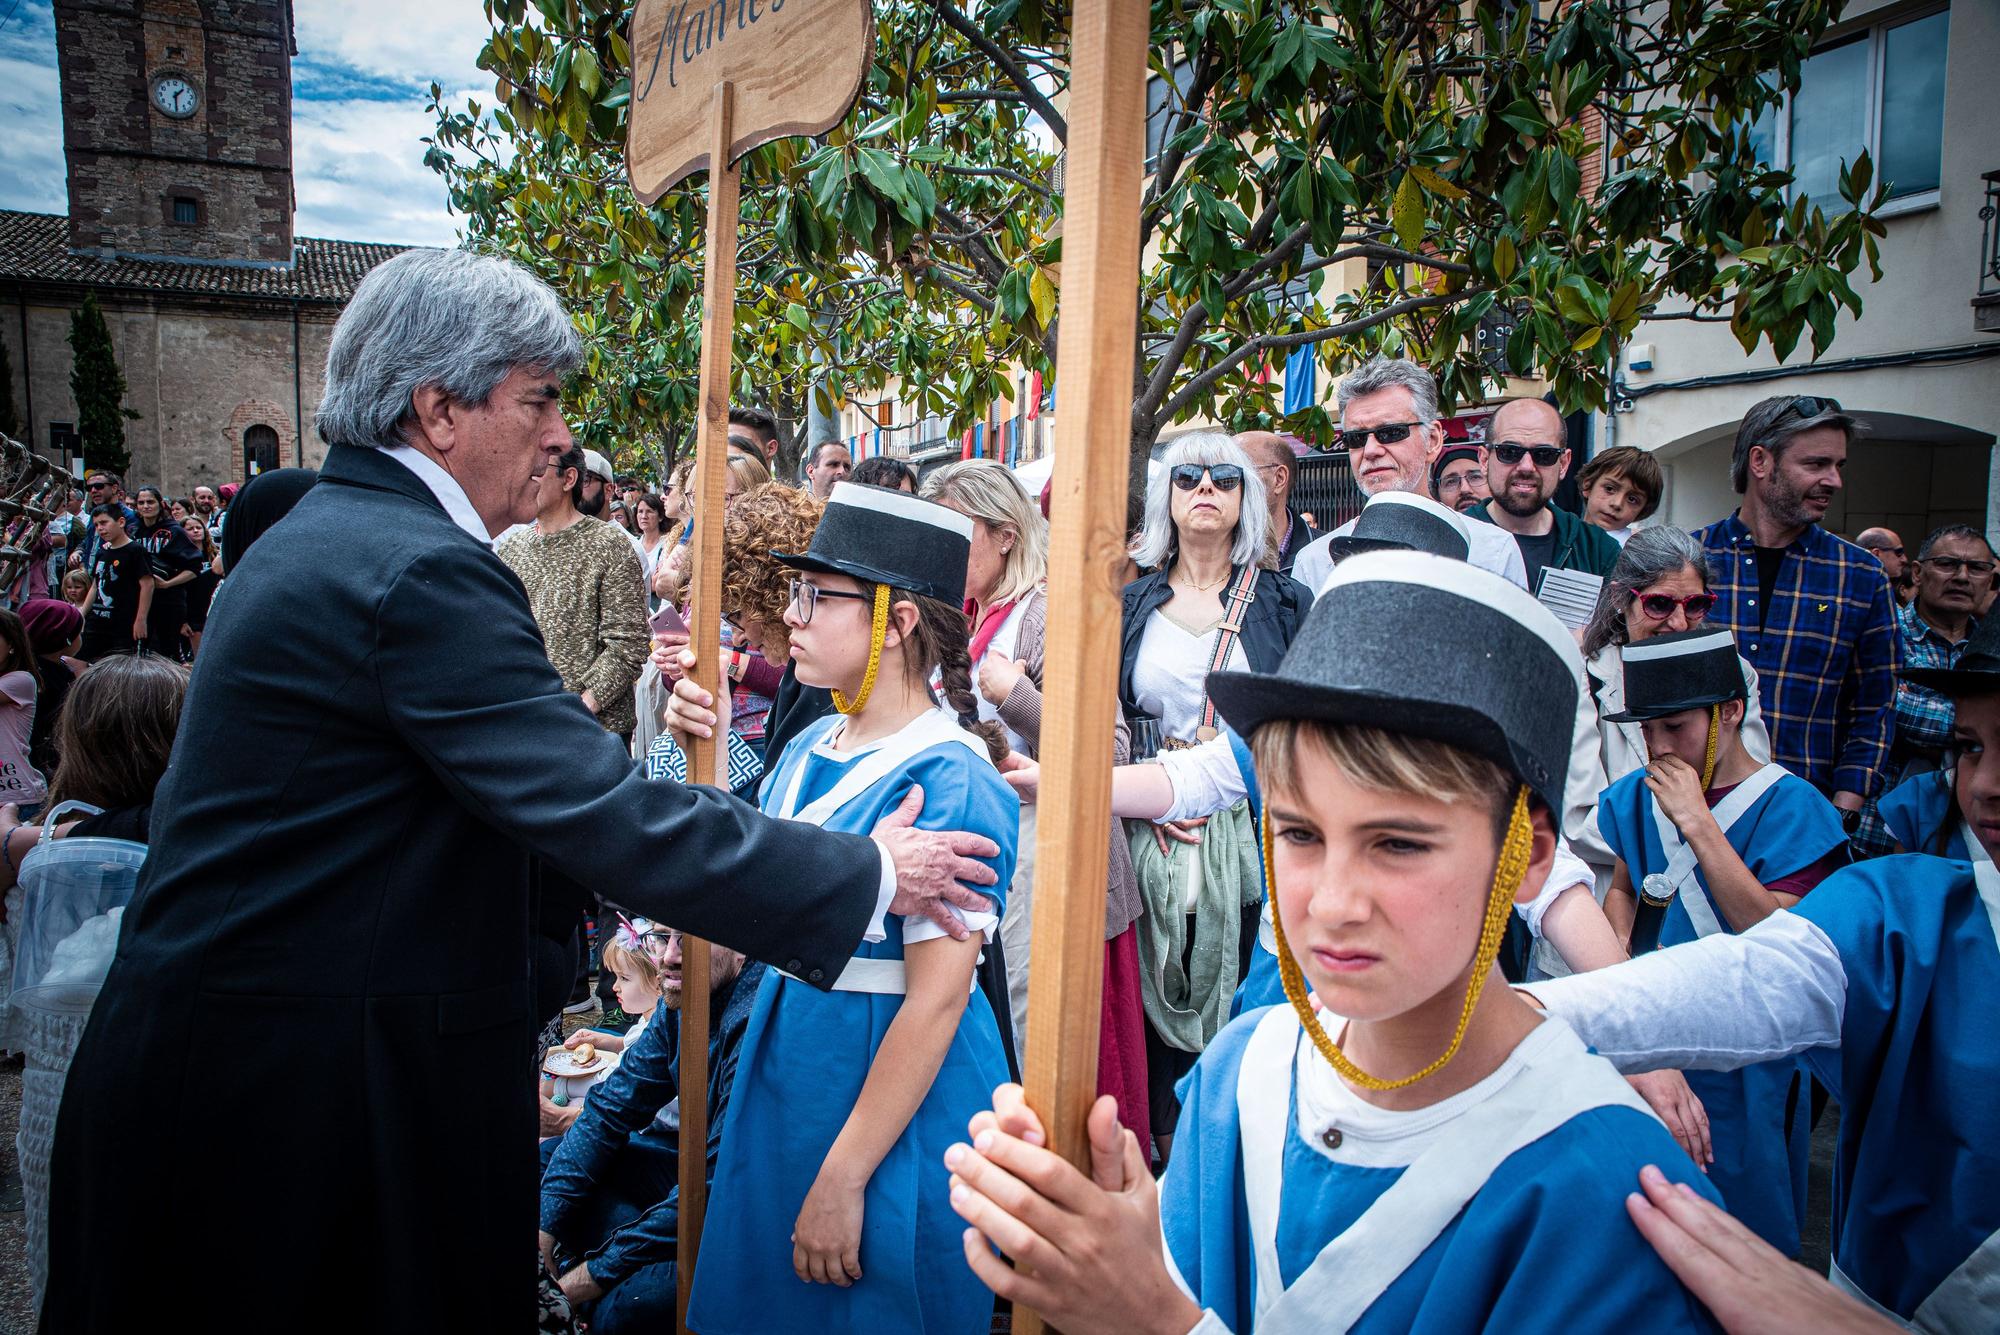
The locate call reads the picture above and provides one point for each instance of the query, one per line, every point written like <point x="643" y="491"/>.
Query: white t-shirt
<point x="1170" y="676"/>
<point x="20" y="781"/>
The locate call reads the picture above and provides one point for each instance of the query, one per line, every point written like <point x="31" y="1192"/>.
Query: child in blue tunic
<point x="1887" y="979"/>
<point x="1420" y="1155"/>
<point x="827" y="1213"/>
<point x="1718" y="842"/>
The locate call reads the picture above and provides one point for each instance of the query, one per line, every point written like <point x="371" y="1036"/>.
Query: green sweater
<point x="588" y="593"/>
<point x="1579" y="545"/>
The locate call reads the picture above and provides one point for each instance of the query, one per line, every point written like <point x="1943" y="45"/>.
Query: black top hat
<point x="1978" y="670"/>
<point x="890" y="537"/>
<point x="1424" y="645"/>
<point x="1688" y="669"/>
<point x="1403" y="521"/>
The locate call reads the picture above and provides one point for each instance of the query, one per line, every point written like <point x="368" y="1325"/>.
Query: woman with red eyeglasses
<point x="1660" y="584"/>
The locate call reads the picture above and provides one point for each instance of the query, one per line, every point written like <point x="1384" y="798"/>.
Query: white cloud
<point x="31" y="152"/>
<point x="359" y="171"/>
<point x="394" y="39"/>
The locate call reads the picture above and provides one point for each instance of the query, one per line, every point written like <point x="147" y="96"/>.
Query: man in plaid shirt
<point x="1812" y="612"/>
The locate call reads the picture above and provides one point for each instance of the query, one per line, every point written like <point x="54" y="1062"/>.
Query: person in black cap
<point x="1709" y="840"/>
<point x="1458" y="479"/>
<point x="1412" y="782"/>
<point x="845" y="1099"/>
<point x="1887" y="979"/>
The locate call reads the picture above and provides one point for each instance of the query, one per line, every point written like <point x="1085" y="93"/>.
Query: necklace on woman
<point x="1193" y="587"/>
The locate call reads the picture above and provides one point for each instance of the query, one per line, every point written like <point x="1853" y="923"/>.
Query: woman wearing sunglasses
<point x="1209" y="600"/>
<point x="1659" y="585"/>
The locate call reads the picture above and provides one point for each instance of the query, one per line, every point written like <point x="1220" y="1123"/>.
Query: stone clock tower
<point x="177" y="129"/>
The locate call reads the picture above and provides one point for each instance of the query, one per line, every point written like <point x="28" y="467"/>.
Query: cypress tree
<point x="99" y="388"/>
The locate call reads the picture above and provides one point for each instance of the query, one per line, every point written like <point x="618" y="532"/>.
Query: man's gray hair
<point x="1159" y="541"/>
<point x="1772" y="423"/>
<point x="1650" y="555"/>
<point x="447" y="318"/>
<point x="1392" y="373"/>
<point x="1949" y="533"/>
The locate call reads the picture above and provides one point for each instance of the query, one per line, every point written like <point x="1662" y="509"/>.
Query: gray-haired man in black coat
<point x="303" y="1100"/>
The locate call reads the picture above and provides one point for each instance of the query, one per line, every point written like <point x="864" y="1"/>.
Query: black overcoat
<point x="306" y="1097"/>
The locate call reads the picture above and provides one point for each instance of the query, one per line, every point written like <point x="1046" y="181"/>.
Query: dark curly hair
<point x="772" y="518"/>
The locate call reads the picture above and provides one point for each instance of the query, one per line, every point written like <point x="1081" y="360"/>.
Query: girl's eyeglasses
<point x="1226" y="477"/>
<point x="804" y="597"/>
<point x="1660" y="606"/>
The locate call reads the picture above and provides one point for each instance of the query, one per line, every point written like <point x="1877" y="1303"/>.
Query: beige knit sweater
<point x="587" y="590"/>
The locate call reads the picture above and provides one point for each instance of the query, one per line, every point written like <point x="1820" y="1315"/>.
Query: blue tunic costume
<point x="1290" y="1206"/>
<point x="1920" y="810"/>
<point x="1887" y="979"/>
<point x="807" y="1054"/>
<point x="1759" y="1123"/>
<point x="1916" y="1187"/>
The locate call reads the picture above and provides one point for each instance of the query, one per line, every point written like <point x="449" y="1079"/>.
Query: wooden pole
<point x="1094" y="360"/>
<point x="706" y="761"/>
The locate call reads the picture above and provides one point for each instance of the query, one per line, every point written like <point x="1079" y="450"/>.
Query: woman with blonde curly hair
<point x="759" y="522"/>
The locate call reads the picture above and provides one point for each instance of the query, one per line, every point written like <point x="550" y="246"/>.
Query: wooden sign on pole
<point x="710" y="82"/>
<point x="1094" y="358"/>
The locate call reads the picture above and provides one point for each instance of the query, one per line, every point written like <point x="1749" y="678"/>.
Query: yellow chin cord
<point x="1508" y="874"/>
<point x="876" y="636"/>
<point x="1708" y="755"/>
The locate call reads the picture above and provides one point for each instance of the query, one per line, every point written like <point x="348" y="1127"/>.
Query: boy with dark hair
<point x="1620" y="487"/>
<point x="121" y="587"/>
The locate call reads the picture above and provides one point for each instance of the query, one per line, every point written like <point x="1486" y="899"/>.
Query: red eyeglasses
<point x="1660" y="606"/>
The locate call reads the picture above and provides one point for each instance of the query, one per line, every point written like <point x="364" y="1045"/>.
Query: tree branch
<point x="1002" y="173"/>
<point x="1196" y="387"/>
<point x="948" y="11"/>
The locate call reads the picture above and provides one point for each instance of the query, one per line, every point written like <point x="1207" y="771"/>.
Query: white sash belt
<point x="882" y="977"/>
<point x="1681" y="861"/>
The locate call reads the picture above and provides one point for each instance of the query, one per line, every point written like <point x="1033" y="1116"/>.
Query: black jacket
<point x="1269" y="624"/>
<point x="307" y="1088"/>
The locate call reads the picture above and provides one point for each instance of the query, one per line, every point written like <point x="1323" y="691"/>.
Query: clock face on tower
<point x="175" y="96"/>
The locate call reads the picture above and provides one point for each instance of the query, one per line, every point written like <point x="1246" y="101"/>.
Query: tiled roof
<point x="34" y="247"/>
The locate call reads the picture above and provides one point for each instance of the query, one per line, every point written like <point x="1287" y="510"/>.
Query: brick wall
<point x="128" y="162"/>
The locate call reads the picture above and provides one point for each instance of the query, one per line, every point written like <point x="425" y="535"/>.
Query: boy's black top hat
<point x="1688" y="669"/>
<point x="1420" y="644"/>
<point x="1978" y="670"/>
<point x="1403" y="521"/>
<point x="890" y="537"/>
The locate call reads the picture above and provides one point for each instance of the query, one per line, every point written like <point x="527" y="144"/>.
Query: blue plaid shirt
<point x="1923" y="717"/>
<point x="1826" y="650"/>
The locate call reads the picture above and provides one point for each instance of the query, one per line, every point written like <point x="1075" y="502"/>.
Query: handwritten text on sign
<point x="797" y="67"/>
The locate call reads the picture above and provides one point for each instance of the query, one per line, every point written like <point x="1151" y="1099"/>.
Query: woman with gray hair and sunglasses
<point x="1660" y="584"/>
<point x="1209" y="600"/>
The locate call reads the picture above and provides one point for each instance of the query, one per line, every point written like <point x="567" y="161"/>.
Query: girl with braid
<point x="827" y="1212"/>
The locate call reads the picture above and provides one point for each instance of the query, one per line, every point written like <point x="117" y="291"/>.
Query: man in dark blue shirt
<point x="610" y="1213"/>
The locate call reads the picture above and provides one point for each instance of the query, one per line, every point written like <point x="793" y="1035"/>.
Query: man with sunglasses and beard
<point x="1390" y="429"/>
<point x="1811" y="612"/>
<point x="1525" y="460"/>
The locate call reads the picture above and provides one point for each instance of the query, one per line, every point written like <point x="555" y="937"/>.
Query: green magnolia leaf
<point x="1504" y="257"/>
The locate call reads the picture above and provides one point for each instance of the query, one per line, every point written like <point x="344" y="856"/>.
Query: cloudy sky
<point x="358" y="121"/>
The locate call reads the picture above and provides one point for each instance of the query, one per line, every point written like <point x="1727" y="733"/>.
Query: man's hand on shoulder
<point x="930" y="864"/>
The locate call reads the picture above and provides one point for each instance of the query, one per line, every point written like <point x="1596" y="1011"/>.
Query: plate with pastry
<point x="583" y="1059"/>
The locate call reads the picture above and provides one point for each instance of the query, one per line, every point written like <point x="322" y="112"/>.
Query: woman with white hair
<point x="1005" y="582"/>
<point x="1209" y="601"/>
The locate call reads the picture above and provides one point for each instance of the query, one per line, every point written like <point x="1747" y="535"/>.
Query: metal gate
<point x="1323" y="486"/>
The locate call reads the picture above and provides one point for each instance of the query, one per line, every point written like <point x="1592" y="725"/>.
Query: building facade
<point x="177" y="135"/>
<point x="1921" y="364"/>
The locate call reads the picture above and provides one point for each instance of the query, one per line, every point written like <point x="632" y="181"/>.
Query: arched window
<point x="260" y="450"/>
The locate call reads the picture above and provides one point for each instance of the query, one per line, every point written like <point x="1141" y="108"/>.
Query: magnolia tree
<point x="1441" y="142"/>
